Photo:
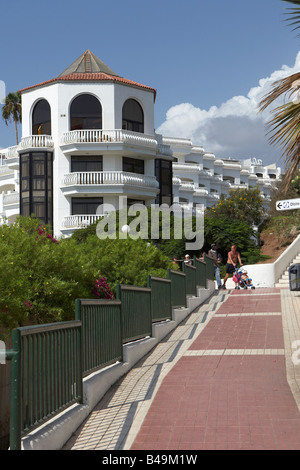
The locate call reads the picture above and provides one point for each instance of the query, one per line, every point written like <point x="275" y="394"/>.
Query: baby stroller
<point x="242" y="279"/>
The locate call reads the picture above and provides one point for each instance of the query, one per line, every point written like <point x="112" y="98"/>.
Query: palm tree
<point x="284" y="127"/>
<point x="12" y="110"/>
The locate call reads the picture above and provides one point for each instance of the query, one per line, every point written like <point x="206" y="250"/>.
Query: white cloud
<point x="235" y="128"/>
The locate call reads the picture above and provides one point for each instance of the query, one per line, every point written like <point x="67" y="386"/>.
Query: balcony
<point x="187" y="187"/>
<point x="30" y="142"/>
<point x="117" y="139"/>
<point x="186" y="167"/>
<point x="6" y="171"/>
<point x="74" y="222"/>
<point x="110" y="182"/>
<point x="11" y="199"/>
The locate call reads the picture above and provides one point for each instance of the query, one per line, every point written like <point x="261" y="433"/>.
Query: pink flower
<point x="101" y="289"/>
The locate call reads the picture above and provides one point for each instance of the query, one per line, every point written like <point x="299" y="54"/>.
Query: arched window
<point x="41" y="118"/>
<point x="132" y="116"/>
<point x="86" y="113"/>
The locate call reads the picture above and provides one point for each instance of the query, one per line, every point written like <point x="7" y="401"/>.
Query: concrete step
<point x="283" y="281"/>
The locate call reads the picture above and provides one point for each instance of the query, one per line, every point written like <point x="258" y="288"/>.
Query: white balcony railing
<point x="165" y="150"/>
<point x="187" y="167"/>
<point x="11" y="198"/>
<point x="12" y="152"/>
<point x="110" y="178"/>
<point x="187" y="187"/>
<point x="108" y="136"/>
<point x="80" y="221"/>
<point x="5" y="170"/>
<point x="36" y="141"/>
<point x="200" y="191"/>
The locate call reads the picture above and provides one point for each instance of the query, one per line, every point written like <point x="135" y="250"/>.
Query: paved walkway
<point x="227" y="378"/>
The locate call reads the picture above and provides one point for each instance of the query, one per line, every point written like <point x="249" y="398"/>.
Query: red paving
<point x="241" y="333"/>
<point x="220" y="402"/>
<point x="251" y="304"/>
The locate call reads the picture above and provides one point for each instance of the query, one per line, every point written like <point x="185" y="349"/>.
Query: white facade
<point x="198" y="176"/>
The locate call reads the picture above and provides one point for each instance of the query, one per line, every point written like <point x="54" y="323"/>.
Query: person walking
<point x="215" y="255"/>
<point x="233" y="257"/>
<point x="187" y="260"/>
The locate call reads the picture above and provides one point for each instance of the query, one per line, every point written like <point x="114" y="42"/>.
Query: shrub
<point x="42" y="277"/>
<point x="244" y="205"/>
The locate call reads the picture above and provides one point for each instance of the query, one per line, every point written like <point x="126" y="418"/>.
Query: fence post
<point x="15" y="397"/>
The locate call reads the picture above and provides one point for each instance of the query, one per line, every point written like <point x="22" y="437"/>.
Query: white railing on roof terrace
<point x="110" y="178"/>
<point x="174" y="141"/>
<point x="12" y="152"/>
<point x="36" y="141"/>
<point x="107" y="136"/>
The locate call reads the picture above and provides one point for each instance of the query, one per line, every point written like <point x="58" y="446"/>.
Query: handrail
<point x="49" y="362"/>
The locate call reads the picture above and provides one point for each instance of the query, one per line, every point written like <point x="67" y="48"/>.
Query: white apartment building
<point x="88" y="138"/>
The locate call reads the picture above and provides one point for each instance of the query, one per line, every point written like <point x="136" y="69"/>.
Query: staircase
<point x="284" y="280"/>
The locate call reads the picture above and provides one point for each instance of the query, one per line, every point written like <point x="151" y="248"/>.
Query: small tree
<point x="244" y="205"/>
<point x="12" y="109"/>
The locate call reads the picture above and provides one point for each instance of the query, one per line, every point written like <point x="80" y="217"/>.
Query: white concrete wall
<point x="262" y="275"/>
<point x="267" y="275"/>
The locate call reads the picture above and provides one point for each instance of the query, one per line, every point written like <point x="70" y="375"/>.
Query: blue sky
<point x="209" y="60"/>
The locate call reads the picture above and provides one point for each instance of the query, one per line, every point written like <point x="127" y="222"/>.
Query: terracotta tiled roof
<point x="83" y="63"/>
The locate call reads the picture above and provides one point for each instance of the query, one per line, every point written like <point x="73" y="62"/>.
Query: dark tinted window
<point x="86" y="113"/>
<point x="36" y="182"/>
<point x="86" y="163"/>
<point x="133" y="165"/>
<point x="86" y="206"/>
<point x="164" y="175"/>
<point x="41" y="118"/>
<point x="132" y="116"/>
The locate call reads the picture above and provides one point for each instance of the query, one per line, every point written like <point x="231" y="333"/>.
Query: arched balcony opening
<point x="132" y="116"/>
<point x="85" y="113"/>
<point x="41" y="118"/>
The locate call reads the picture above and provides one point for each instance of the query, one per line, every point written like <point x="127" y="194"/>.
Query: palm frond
<point x="284" y="127"/>
<point x="293" y="14"/>
<point x="284" y="86"/>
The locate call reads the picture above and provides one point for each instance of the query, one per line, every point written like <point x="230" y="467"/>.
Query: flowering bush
<point x="40" y="281"/>
<point x="245" y="205"/>
<point x="101" y="289"/>
<point x="42" y="231"/>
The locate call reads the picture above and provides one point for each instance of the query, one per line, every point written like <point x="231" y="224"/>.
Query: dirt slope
<point x="273" y="247"/>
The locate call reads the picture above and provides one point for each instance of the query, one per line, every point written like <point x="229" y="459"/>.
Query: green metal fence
<point x="101" y="332"/>
<point x="178" y="288"/>
<point x="190" y="279"/>
<point x="200" y="272"/>
<point x="50" y="361"/>
<point x="210" y="272"/>
<point x="161" y="301"/>
<point x="46" y="375"/>
<point x="136" y="311"/>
